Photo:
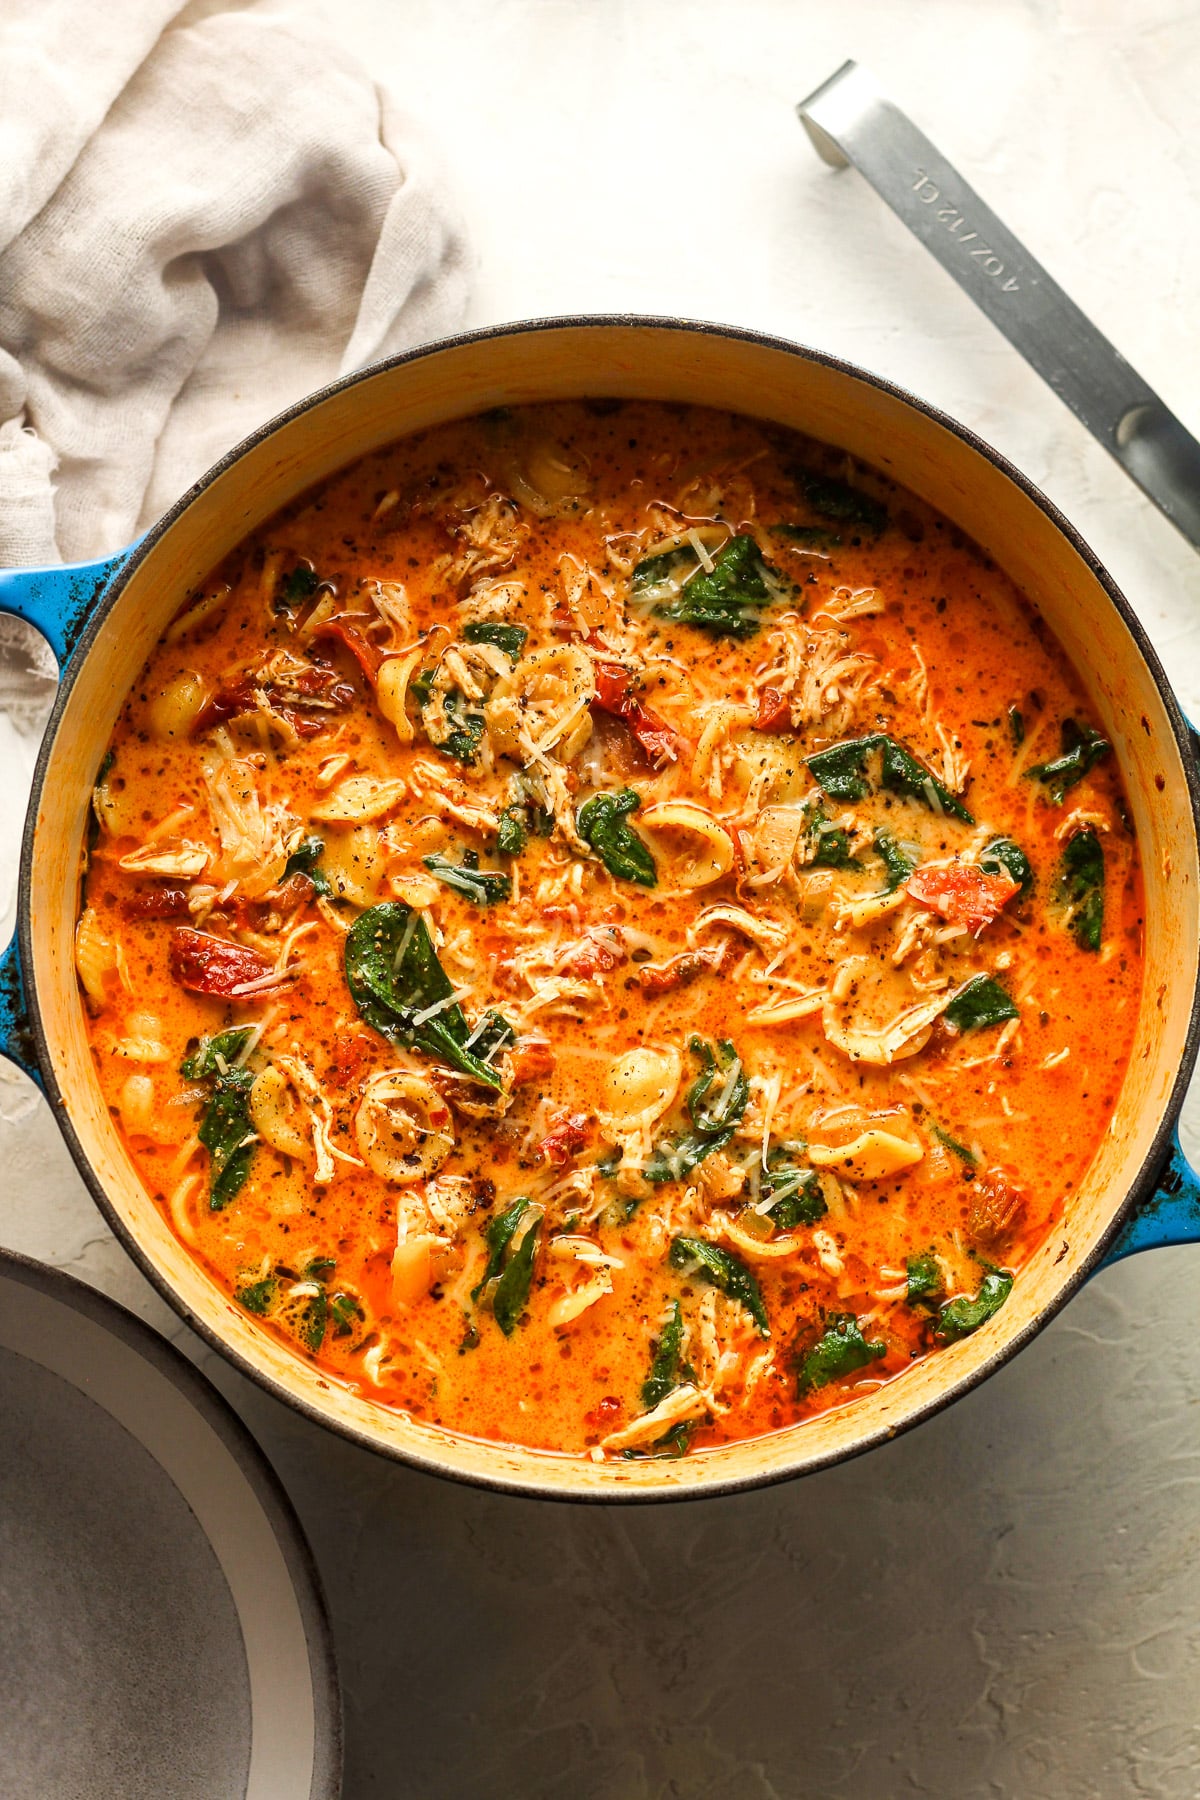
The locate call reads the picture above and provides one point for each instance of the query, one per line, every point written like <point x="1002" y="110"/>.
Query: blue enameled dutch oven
<point x="103" y="619"/>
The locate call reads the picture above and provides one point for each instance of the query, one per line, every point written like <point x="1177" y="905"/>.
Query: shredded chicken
<point x="817" y="675"/>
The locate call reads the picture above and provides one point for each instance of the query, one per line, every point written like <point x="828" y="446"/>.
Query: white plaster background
<point x="1005" y="1603"/>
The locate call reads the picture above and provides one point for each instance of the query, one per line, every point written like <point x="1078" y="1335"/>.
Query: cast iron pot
<point x="102" y="620"/>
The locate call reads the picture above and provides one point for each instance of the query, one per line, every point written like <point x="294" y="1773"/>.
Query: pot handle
<point x="57" y="602"/>
<point x="1169" y="1215"/>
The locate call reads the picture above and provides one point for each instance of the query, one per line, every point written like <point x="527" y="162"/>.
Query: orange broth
<point x="752" y="1107"/>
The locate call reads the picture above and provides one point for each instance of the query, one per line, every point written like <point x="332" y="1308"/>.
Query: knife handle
<point x="852" y="122"/>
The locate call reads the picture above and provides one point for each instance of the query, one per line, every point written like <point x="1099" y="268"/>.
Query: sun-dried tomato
<point x="237" y="698"/>
<point x="596" y="953"/>
<point x="213" y="965"/>
<point x="964" y="894"/>
<point x="774" y="711"/>
<point x="532" y="1059"/>
<point x="614" y="696"/>
<point x="156" y="903"/>
<point x="996" y="1210"/>
<point x="351" y="1052"/>
<point x="343" y="630"/>
<point x="679" y="971"/>
<point x="565" y="1139"/>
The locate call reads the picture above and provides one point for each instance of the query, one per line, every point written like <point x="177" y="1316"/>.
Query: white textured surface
<point x="1005" y="1603"/>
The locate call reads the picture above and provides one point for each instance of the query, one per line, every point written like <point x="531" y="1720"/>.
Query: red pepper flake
<point x="212" y="965"/>
<point x="605" y="1413"/>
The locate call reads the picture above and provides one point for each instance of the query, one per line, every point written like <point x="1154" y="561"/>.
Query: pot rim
<point x="427" y="1463"/>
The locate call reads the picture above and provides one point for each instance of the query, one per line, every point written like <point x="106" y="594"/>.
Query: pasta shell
<point x="395" y="673"/>
<point x="358" y="798"/>
<point x="543" y="705"/>
<point x="639" y="1086"/>
<point x="273" y="1109"/>
<point x="403" y="1126"/>
<point x="871" y="1156"/>
<point x="708" y="852"/>
<point x="97" y="958"/>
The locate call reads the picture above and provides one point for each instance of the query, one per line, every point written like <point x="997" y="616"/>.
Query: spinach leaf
<point x="673" y="1158"/>
<point x="482" y="886"/>
<point x="960" y="1317"/>
<point x="653" y="570"/>
<point x="315" y="1318"/>
<point x="512" y="1290"/>
<point x="896" y="860"/>
<point x="839" y="1351"/>
<point x="1016" y="725"/>
<point x="492" y="1033"/>
<point x="511" y="835"/>
<point x="925" y="1281"/>
<point x="602" y="823"/>
<point x="664" y="1369"/>
<point x="225" y="1122"/>
<point x="960" y="1150"/>
<point x="982" y="1002"/>
<point x="724" y="600"/>
<point x="467" y="734"/>
<point x="903" y="774"/>
<point x="395" y="978"/>
<point x="344" y="1312"/>
<point x="299" y="586"/>
<point x="733" y="1092"/>
<point x="1082" y="749"/>
<point x="815" y="537"/>
<point x="421" y="686"/>
<point x="830" y="843"/>
<point x="228" y="1136"/>
<point x="831" y="499"/>
<point x="509" y="638"/>
<point x="258" y="1296"/>
<point x="323" y="1311"/>
<point x="671" y="1444"/>
<point x="1004" y="857"/>
<point x="795" y="1191"/>
<point x="714" y="1125"/>
<point x="526" y="814"/>
<point x="841" y="772"/>
<point x="499" y="1235"/>
<point x="1082" y="887"/>
<point x="304" y="860"/>
<point x="216" y="1055"/>
<point x="725" y="1271"/>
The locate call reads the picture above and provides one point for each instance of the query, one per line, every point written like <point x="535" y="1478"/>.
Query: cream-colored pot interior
<point x="660" y="361"/>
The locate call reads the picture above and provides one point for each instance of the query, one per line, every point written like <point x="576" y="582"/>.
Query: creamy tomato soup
<point x="611" y="927"/>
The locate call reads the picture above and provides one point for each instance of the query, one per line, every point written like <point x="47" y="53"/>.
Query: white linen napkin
<point x="205" y="211"/>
